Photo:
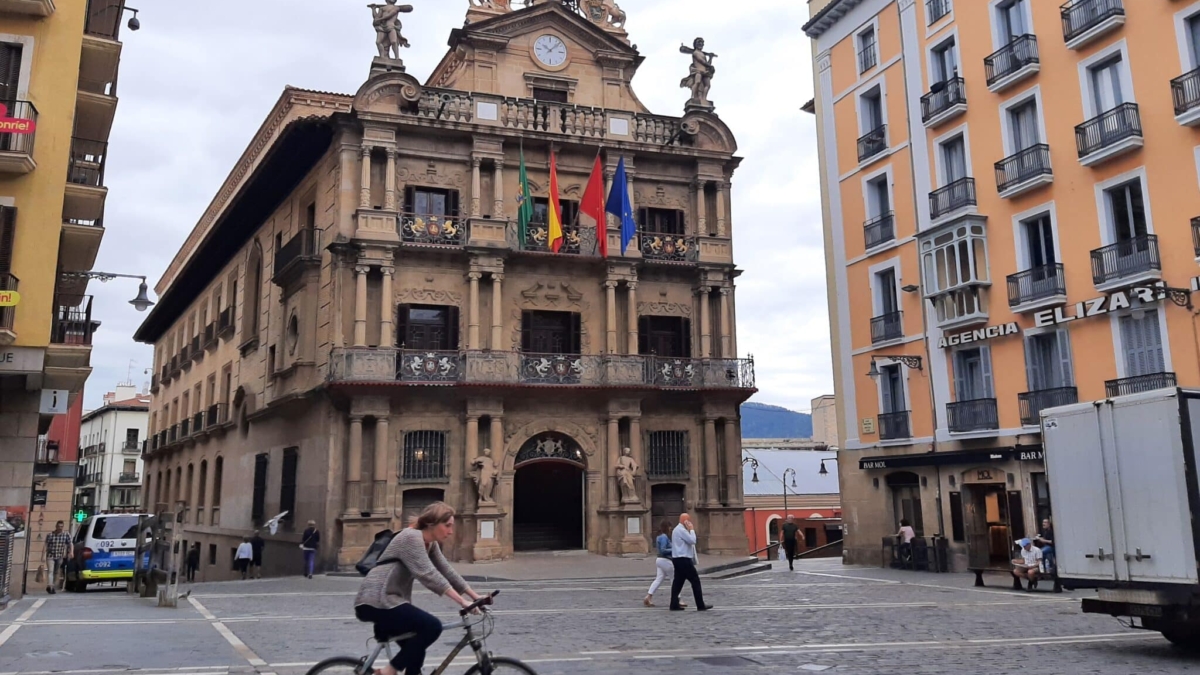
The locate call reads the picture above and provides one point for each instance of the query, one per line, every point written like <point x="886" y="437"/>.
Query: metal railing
<point x="1108" y="129"/>
<point x="1036" y="283"/>
<point x="551" y="368"/>
<point x="424" y="456"/>
<point x="197" y="351"/>
<point x="1032" y="403"/>
<point x="1080" y="16"/>
<point x="185" y="428"/>
<point x="867" y="58"/>
<point x="667" y="454"/>
<point x="129" y="478"/>
<point x="216" y="414"/>
<point x="706" y="373"/>
<point x="1185" y="91"/>
<point x="1139" y="383"/>
<point x="104" y="18"/>
<point x="872" y="143"/>
<point x="8" y="315"/>
<point x="1025" y="165"/>
<point x="72" y="320"/>
<point x="537" y="238"/>
<point x="131" y="447"/>
<point x="887" y="327"/>
<point x="210" y="335"/>
<point x="86" y="165"/>
<point x="306" y="244"/>
<point x="943" y="96"/>
<point x="423" y="228"/>
<point x="225" y="322"/>
<point x="957" y="195"/>
<point x="422" y="365"/>
<point x="880" y="230"/>
<point x="1010" y="58"/>
<point x="936" y="9"/>
<point x="669" y="247"/>
<point x="895" y="425"/>
<point x="974" y="415"/>
<point x="1127" y="258"/>
<point x="13" y="142"/>
<point x="198" y="422"/>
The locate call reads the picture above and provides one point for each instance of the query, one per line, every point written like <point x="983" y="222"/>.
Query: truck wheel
<point x="1186" y="639"/>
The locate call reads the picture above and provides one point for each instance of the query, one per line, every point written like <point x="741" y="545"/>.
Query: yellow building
<point x="58" y="69"/>
<point x="1010" y="197"/>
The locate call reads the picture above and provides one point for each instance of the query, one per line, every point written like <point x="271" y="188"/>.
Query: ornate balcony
<point x="73" y="323"/>
<point x="1024" y="171"/>
<point x="210" y="335"/>
<point x="1185" y="90"/>
<point x="1012" y="63"/>
<point x="976" y="415"/>
<point x="1138" y="384"/>
<point x="1037" y="287"/>
<point x="894" y="426"/>
<point x="668" y="247"/>
<point x="419" y="228"/>
<point x="944" y="101"/>
<point x="16" y="149"/>
<point x="1034" y="402"/>
<point x="887" y="327"/>
<point x="537" y="238"/>
<point x="1084" y="21"/>
<point x="872" y="143"/>
<point x="1127" y="261"/>
<point x="1112" y="133"/>
<point x="185" y="428"/>
<point x="879" y="231"/>
<point x="953" y="197"/>
<point x="429" y="366"/>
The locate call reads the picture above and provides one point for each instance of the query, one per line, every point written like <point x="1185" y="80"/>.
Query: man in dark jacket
<point x="789" y="535"/>
<point x="257" y="544"/>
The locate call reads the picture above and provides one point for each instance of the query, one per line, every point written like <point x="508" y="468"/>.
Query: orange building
<point x="1010" y="191"/>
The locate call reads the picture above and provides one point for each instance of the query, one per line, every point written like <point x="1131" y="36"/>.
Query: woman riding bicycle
<point x="385" y="598"/>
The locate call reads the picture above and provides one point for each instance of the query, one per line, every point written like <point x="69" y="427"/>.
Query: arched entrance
<point x="548" y="495"/>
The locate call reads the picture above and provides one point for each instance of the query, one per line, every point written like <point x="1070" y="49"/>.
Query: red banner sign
<point x="14" y="125"/>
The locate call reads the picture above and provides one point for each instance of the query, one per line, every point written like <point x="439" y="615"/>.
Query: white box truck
<point x="1126" y="502"/>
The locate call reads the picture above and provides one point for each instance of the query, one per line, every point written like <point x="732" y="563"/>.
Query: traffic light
<point x="80" y="516"/>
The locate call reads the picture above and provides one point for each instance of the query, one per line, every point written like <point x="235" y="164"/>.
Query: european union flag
<point x="619" y="205"/>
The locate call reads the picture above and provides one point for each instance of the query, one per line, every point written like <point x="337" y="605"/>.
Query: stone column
<point x="382" y="448"/>
<point x="635" y="440"/>
<point x="610" y="301"/>
<point x="722" y="187"/>
<point x="733" y="463"/>
<point x="726" y="327"/>
<point x="498" y="191"/>
<point x="473" y="311"/>
<point x="360" y="305"/>
<point x="701" y="225"/>
<point x="705" y="323"/>
<point x="496" y="439"/>
<point x="614" y="453"/>
<point x="364" y="194"/>
<point x="387" y="328"/>
<point x="389" y="187"/>
<point x="497" y="311"/>
<point x="711" y="466"/>
<point x="632" y="319"/>
<point x="354" y="467"/>
<point x="472" y="451"/>
<point x="475" y="186"/>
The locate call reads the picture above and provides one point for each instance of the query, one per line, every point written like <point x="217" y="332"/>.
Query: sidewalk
<point x="580" y="565"/>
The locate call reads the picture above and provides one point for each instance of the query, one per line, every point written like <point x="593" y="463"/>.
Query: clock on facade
<point x="550" y="50"/>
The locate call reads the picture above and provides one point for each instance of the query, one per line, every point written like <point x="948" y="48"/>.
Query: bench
<point x="979" y="571"/>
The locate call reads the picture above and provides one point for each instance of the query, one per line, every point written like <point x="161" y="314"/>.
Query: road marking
<point x="200" y="670"/>
<point x="16" y="625"/>
<point x="236" y="642"/>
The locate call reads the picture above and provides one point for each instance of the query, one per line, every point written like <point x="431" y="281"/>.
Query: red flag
<point x="554" y="212"/>
<point x="592" y="206"/>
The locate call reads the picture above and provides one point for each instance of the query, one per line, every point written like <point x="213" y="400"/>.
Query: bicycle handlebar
<point x="478" y="604"/>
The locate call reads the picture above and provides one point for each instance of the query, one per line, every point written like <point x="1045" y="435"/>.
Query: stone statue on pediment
<point x="386" y="20"/>
<point x="485" y="474"/>
<point x="605" y="12"/>
<point x="627" y="469"/>
<point x="501" y="5"/>
<point x="700" y="74"/>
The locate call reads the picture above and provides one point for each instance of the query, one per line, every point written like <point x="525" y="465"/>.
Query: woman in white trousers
<point x="662" y="562"/>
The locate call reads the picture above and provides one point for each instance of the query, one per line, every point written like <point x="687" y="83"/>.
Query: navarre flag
<point x="554" y="210"/>
<point x="620" y="205"/>
<point x="592" y="208"/>
<point x="524" y="205"/>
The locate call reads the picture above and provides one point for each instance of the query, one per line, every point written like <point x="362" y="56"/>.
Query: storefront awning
<point x="988" y="456"/>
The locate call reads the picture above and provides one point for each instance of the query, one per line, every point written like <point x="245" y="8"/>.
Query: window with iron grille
<point x="259" y="505"/>
<point x="425" y="456"/>
<point x="287" y="485"/>
<point x="668" y="456"/>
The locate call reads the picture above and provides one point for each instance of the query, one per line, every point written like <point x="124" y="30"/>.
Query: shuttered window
<point x="1142" y="342"/>
<point x="551" y="332"/>
<point x="432" y="327"/>
<point x="10" y="73"/>
<point x="426" y="201"/>
<point x="973" y="374"/>
<point x="8" y="235"/>
<point x="1048" y="361"/>
<point x="667" y="336"/>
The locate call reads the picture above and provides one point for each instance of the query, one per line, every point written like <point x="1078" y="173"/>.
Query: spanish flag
<point x="553" y="210"/>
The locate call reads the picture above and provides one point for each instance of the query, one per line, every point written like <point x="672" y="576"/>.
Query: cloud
<point x="199" y="77"/>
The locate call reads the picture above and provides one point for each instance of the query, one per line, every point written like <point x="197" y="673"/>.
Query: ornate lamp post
<point x="785" y="489"/>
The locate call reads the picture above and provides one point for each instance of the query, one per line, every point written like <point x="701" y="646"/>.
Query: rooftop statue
<point x="700" y="74"/>
<point x="386" y="20"/>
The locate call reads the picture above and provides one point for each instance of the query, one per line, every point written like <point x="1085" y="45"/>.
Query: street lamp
<point x="754" y="465"/>
<point x="913" y="362"/>
<point x="141" y="303"/>
<point x="823" y="471"/>
<point x="785" y="488"/>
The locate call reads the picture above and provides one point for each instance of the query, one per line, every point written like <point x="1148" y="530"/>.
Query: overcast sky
<point x="200" y="76"/>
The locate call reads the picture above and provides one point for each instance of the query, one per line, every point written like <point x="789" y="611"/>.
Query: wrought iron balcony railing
<point x="216" y="414"/>
<point x="942" y="97"/>
<point x="668" y="247"/>
<point x="886" y="327"/>
<point x="1108" y="129"/>
<point x="957" y="195"/>
<point x="72" y="320"/>
<point x="19" y="143"/>
<point x="1032" y="403"/>
<point x="1185" y="90"/>
<point x="537" y="238"/>
<point x="131" y="447"/>
<point x="975" y="415"/>
<point x="441" y="230"/>
<point x="185" y="428"/>
<point x="894" y="426"/>
<point x="880" y="230"/>
<point x="1139" y="383"/>
<point x="210" y="335"/>
<point x="8" y="315"/>
<point x="872" y="143"/>
<point x="129" y="478"/>
<point x="1026" y="165"/>
<point x="867" y="58"/>
<point x="104" y="18"/>
<point x="1080" y="16"/>
<point x="198" y="422"/>
<point x="1196" y="235"/>
<point x="225" y="322"/>
<point x="420" y="365"/>
<point x="306" y="244"/>
<point x="1036" y="283"/>
<point x="86" y="165"/>
<point x="936" y="9"/>
<point x="1011" y="58"/>
<point x="1124" y="259"/>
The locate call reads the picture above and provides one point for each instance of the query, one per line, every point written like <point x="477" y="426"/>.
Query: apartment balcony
<point x="8" y="315"/>
<point x="27" y="7"/>
<point x="961" y="307"/>
<point x="173" y="434"/>
<point x="668" y="247"/>
<point x="210" y="336"/>
<point x="1027" y="170"/>
<point x="131" y="448"/>
<point x="872" y="143"/>
<point x="101" y="55"/>
<point x="1139" y="384"/>
<point x="127" y="478"/>
<point x="1037" y="288"/>
<point x="537" y="238"/>
<point x="1126" y="263"/>
<point x="185" y="428"/>
<point x="16" y="149"/>
<point x="433" y="230"/>
<point x="302" y="253"/>
<point x="895" y="426"/>
<point x="950" y="201"/>
<point x="1034" y="402"/>
<point x="867" y="58"/>
<point x="216" y="415"/>
<point x="198" y="423"/>
<point x="1085" y="21"/>
<point x="945" y="101"/>
<point x="185" y="357"/>
<point x="936" y="9"/>
<point x="225" y="327"/>
<point x="197" y="349"/>
<point x="1110" y="134"/>
<point x="80" y="243"/>
<point x="879" y="231"/>
<point x="69" y="356"/>
<point x="1012" y="63"/>
<point x="85" y="193"/>
<point x="970" y="416"/>
<point x="887" y="327"/>
<point x="1185" y="90"/>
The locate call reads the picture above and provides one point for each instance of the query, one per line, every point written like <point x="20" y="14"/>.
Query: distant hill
<point x="770" y="421"/>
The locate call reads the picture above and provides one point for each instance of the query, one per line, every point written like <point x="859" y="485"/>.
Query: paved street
<point x="825" y="618"/>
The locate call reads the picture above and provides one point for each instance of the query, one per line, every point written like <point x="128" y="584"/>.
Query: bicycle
<point x="486" y="664"/>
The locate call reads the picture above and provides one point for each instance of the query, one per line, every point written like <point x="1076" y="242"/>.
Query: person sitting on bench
<point x="1045" y="541"/>
<point x="1028" y="566"/>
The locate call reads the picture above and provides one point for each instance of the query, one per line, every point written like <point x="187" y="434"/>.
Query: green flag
<point x="524" y="205"/>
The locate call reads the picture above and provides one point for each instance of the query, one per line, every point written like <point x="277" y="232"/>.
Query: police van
<point x="105" y="550"/>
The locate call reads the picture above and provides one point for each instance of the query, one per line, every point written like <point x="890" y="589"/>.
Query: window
<point x="424" y="455"/>
<point x="1107" y="90"/>
<point x="1041" y="496"/>
<point x="871" y="110"/>
<point x="212" y="554"/>
<point x="810" y="537"/>
<point x="1038" y="235"/>
<point x="667" y="336"/>
<point x="954" y="260"/>
<point x="957" y="522"/>
<point x="550" y="332"/>
<point x="1023" y="125"/>
<point x="310" y="216"/>
<point x="891" y="386"/>
<point x="885" y="292"/>
<point x="1141" y="340"/>
<point x="427" y="327"/>
<point x="661" y="221"/>
<point x="218" y="475"/>
<point x="251" y="295"/>
<point x="202" y="496"/>
<point x="541" y="209"/>
<point x="287" y="483"/>
<point x="1013" y="20"/>
<point x="1126" y="211"/>
<point x="668" y="454"/>
<point x="10" y="72"/>
<point x="954" y="160"/>
<point x="944" y="59"/>
<point x="973" y="374"/>
<point x="879" y="199"/>
<point x="550" y="95"/>
<point x="258" y="507"/>
<point x="906" y="500"/>
<point x="425" y="201"/>
<point x="131" y="438"/>
<point x="867" y="58"/>
<point x="1048" y="361"/>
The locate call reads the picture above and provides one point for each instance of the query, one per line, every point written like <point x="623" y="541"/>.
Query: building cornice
<point x="828" y="16"/>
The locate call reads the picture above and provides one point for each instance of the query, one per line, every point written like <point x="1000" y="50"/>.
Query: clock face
<point x="550" y="50"/>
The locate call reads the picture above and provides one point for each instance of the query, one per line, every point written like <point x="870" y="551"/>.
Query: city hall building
<point x="358" y="326"/>
<point x="1011" y="196"/>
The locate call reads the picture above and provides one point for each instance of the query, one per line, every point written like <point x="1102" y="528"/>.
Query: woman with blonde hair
<point x="385" y="597"/>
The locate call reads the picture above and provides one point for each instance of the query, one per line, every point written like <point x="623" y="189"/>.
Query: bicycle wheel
<point x="338" y="665"/>
<point x="501" y="666"/>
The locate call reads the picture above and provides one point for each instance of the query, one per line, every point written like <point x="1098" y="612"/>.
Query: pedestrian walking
<point x="683" y="558"/>
<point x="662" y="562"/>
<point x="790" y="541"/>
<point x="59" y="549"/>
<point x="193" y="562"/>
<point x="310" y="541"/>
<point x="906" y="534"/>
<point x="257" y="544"/>
<point x="244" y="556"/>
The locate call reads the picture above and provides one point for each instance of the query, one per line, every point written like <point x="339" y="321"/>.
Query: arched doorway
<point x="548" y="495"/>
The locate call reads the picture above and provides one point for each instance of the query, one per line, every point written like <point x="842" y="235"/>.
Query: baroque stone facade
<point x="357" y="318"/>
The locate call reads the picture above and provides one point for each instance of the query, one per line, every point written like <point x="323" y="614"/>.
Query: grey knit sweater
<point x="390" y="585"/>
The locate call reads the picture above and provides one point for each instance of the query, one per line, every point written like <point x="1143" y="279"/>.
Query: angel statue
<point x="700" y="73"/>
<point x="386" y="20"/>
